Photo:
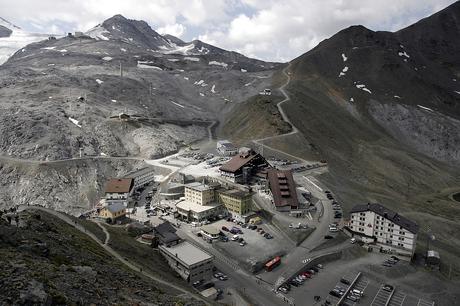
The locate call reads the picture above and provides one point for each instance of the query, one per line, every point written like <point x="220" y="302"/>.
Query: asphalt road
<point x="293" y="261"/>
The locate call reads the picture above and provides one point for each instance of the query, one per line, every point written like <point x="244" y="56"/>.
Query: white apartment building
<point x="375" y="223"/>
<point x="142" y="177"/>
<point x="226" y="148"/>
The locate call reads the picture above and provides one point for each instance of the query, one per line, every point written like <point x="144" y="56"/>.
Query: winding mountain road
<point x="294" y="131"/>
<point x="111" y="251"/>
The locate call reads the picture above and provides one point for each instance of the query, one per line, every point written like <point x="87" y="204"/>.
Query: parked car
<point x="345" y="281"/>
<point x="328" y="237"/>
<point x="387" y="287"/>
<point x="224" y="228"/>
<point x="315" y="269"/>
<point x="335" y="293"/>
<point x="352" y="298"/>
<point x="307" y="274"/>
<point x="283" y="289"/>
<point x="353" y="240"/>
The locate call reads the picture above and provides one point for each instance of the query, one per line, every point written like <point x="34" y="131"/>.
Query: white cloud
<point x="176" y="29"/>
<point x="267" y="29"/>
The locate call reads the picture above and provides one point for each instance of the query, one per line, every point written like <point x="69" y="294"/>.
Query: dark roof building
<point x="282" y="186"/>
<point x="166" y="233"/>
<point x="387" y="214"/>
<point x="241" y="166"/>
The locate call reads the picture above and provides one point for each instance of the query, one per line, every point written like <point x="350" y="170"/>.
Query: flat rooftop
<point x="198" y="186"/>
<point x="190" y="206"/>
<point x="187" y="253"/>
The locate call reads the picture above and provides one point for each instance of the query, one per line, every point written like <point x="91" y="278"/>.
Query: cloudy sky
<point x="266" y="29"/>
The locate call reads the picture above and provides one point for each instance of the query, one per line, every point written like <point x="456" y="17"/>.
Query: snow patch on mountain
<point x="363" y="87"/>
<point x="344" y="57"/>
<point x="218" y="64"/>
<point x="193" y="59"/>
<point x="144" y="64"/>
<point x="404" y="54"/>
<point x="75" y="121"/>
<point x="344" y="70"/>
<point x="107" y="58"/>
<point x="425" y="108"/>
<point x="98" y="33"/>
<point x="177" y="104"/>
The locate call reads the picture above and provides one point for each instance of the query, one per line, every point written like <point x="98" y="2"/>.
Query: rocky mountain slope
<point x="384" y="110"/>
<point x="74" y="85"/>
<point x="45" y="261"/>
<point x="63" y="97"/>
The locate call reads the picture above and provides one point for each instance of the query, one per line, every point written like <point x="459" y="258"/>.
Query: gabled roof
<point x="389" y="214"/>
<point x="282" y="186"/>
<point x="166" y="232"/>
<point x="115" y="207"/>
<point x="117" y="185"/>
<point x="244" y="158"/>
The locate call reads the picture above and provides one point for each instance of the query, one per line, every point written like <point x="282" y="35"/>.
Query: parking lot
<point x="257" y="247"/>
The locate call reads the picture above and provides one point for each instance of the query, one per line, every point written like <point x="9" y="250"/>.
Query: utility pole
<point x="121" y="70"/>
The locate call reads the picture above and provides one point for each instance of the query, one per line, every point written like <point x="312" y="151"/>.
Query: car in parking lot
<point x="306" y="274"/>
<point x="357" y="292"/>
<point x="353" y="298"/>
<point x="335" y="293"/>
<point x="387" y="287"/>
<point x="283" y="289"/>
<point x="223" y="277"/>
<point x="268" y="236"/>
<point x="345" y="281"/>
<point x="328" y="237"/>
<point x="252" y="226"/>
<point x="225" y="229"/>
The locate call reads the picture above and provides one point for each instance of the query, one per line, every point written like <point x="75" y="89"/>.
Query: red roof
<point x="123" y="185"/>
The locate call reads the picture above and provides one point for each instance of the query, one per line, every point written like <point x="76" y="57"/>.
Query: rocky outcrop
<point x="425" y="130"/>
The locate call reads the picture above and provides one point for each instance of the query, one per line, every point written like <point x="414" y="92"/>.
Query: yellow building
<point x="236" y="201"/>
<point x="199" y="193"/>
<point x="113" y="211"/>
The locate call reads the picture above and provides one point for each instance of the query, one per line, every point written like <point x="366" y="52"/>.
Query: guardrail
<point x="344" y="296"/>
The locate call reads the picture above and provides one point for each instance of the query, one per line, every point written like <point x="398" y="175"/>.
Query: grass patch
<point x="92" y="227"/>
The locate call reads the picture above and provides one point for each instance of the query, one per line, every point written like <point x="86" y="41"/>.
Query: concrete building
<point x="283" y="189"/>
<point x="142" y="177"/>
<point x="226" y="148"/>
<point x="192" y="263"/>
<point x="119" y="191"/>
<point x="189" y="211"/>
<point x="210" y="231"/>
<point x="374" y="223"/>
<point x="242" y="166"/>
<point x="112" y="212"/>
<point x="199" y="193"/>
<point x="236" y="202"/>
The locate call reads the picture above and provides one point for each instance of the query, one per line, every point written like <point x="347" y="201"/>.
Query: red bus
<point x="270" y="265"/>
